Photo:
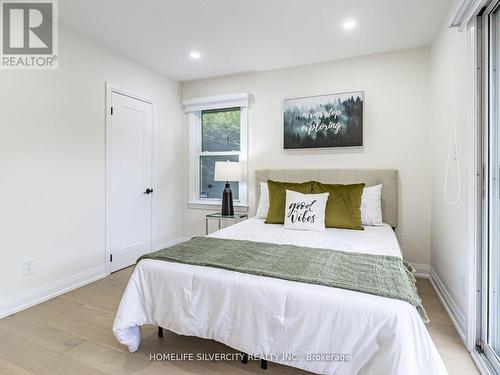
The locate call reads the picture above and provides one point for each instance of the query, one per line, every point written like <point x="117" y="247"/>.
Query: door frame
<point x="490" y="93"/>
<point x="481" y="84"/>
<point x="110" y="89"/>
<point x="475" y="115"/>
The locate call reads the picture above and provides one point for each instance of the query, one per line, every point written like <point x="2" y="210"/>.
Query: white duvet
<point x="287" y="321"/>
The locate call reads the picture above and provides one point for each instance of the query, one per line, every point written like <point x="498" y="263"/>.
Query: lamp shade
<point x="227" y="171"/>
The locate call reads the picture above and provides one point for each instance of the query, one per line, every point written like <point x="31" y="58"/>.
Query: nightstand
<point x="236" y="218"/>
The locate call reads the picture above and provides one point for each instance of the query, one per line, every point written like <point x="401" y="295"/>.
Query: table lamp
<point x="227" y="171"/>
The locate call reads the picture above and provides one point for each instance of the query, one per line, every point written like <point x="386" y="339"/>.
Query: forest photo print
<point x="334" y="120"/>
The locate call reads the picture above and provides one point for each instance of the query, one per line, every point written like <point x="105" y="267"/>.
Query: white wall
<point x="52" y="162"/>
<point x="452" y="225"/>
<point x="397" y="128"/>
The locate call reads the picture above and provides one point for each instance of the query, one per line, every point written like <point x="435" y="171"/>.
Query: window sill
<point x="215" y="206"/>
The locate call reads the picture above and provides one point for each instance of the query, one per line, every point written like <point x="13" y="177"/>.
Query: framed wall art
<point x="334" y="120"/>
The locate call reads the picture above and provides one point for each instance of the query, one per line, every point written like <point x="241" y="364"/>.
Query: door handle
<point x="148" y="191"/>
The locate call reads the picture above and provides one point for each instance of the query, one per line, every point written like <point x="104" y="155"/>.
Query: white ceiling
<point x="240" y="36"/>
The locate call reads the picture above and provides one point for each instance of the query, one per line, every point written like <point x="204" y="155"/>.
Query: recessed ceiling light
<point x="194" y="55"/>
<point x="349" y="24"/>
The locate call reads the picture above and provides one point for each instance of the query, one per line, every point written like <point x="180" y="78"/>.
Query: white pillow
<point x="305" y="211"/>
<point x="263" y="206"/>
<point x="371" y="205"/>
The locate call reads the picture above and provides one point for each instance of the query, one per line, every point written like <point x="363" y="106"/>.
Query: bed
<point x="302" y="325"/>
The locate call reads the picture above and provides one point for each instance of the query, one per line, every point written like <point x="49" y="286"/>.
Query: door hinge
<point x="480" y="346"/>
<point x="110" y="257"/>
<point x="111" y="111"/>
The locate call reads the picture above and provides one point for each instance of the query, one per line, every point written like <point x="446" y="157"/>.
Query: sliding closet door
<point x="491" y="326"/>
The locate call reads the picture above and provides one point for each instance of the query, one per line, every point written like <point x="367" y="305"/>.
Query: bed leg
<point x="244" y="360"/>
<point x="263" y="364"/>
<point x="160" y="331"/>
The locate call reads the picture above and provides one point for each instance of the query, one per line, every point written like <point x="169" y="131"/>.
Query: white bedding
<point x="262" y="315"/>
<point x="373" y="240"/>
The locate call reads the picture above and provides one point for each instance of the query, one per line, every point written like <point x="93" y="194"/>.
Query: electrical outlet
<point x="29" y="266"/>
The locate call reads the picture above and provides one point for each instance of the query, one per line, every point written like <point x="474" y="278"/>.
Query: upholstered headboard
<point x="387" y="177"/>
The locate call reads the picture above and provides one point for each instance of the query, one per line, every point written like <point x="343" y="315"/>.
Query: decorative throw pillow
<point x="343" y="206"/>
<point x="371" y="205"/>
<point x="263" y="206"/>
<point x="277" y="196"/>
<point x="305" y="211"/>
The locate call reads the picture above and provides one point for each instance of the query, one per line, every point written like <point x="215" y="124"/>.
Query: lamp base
<point x="227" y="201"/>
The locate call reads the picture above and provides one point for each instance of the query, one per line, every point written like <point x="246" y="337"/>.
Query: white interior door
<point x="130" y="136"/>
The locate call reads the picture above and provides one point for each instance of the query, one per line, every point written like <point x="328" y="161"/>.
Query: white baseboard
<point x="169" y="243"/>
<point x="421" y="270"/>
<point x="44" y="292"/>
<point x="449" y="304"/>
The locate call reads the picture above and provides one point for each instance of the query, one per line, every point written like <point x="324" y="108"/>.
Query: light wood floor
<point x="71" y="334"/>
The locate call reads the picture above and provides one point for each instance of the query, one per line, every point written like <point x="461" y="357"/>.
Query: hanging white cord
<point x="452" y="146"/>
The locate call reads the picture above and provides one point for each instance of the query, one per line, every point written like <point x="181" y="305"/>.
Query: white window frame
<point x="194" y="108"/>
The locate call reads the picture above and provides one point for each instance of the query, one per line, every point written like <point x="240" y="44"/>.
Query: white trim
<point x="489" y="113"/>
<point x="243" y="201"/>
<point x="484" y="113"/>
<point x="169" y="243"/>
<point x="44" y="292"/>
<point x="216" y="102"/>
<point x="110" y="89"/>
<point x="449" y="304"/>
<point x="474" y="116"/>
<point x="194" y="121"/>
<point x="464" y="11"/>
<point x="421" y="270"/>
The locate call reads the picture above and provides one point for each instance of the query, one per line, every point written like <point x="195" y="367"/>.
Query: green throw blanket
<point x="382" y="275"/>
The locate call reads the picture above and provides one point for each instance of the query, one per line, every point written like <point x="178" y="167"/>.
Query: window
<point x="220" y="141"/>
<point x="217" y="132"/>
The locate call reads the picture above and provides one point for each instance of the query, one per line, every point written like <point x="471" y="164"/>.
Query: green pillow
<point x="343" y="205"/>
<point x="277" y="198"/>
